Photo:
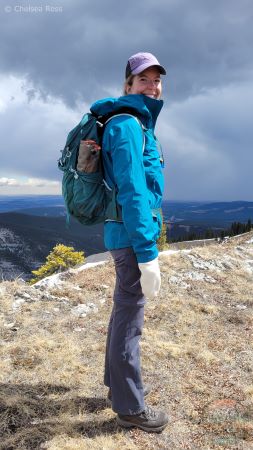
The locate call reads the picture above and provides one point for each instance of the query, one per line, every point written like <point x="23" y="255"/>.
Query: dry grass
<point x="197" y="352"/>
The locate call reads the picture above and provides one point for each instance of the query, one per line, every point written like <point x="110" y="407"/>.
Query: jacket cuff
<point x="147" y="256"/>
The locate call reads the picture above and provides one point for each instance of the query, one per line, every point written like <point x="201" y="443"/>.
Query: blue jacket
<point x="137" y="175"/>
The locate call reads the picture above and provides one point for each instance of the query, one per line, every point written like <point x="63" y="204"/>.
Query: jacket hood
<point x="146" y="108"/>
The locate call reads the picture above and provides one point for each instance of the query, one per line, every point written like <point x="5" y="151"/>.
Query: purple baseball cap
<point x="142" y="61"/>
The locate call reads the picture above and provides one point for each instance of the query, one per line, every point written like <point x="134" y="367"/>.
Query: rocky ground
<point x="197" y="353"/>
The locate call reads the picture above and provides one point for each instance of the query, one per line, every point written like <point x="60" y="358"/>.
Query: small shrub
<point x="162" y="241"/>
<point x="59" y="259"/>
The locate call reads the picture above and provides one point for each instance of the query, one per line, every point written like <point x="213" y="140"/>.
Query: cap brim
<point x="146" y="66"/>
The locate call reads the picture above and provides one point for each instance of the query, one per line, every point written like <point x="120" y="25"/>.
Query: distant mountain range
<point x="38" y="205"/>
<point x="31" y="225"/>
<point x="196" y="217"/>
<point x="220" y="214"/>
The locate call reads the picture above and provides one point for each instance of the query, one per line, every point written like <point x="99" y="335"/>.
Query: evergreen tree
<point x="249" y="225"/>
<point x="223" y="234"/>
<point x="192" y="236"/>
<point x="59" y="259"/>
<point x="209" y="234"/>
<point x="239" y="228"/>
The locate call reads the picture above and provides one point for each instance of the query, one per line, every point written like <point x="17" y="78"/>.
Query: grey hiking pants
<point x="122" y="360"/>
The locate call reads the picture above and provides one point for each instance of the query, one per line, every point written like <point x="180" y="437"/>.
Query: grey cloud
<point x="208" y="144"/>
<point x="33" y="136"/>
<point x="77" y="53"/>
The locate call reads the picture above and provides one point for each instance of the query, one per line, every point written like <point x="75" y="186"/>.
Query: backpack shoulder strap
<point x="136" y="118"/>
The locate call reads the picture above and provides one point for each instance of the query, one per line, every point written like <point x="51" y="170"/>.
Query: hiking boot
<point x="146" y="391"/>
<point x="148" y="420"/>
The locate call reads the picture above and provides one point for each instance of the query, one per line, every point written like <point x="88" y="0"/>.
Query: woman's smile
<point x="147" y="83"/>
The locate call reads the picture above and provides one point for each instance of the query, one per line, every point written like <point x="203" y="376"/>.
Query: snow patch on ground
<point x="7" y="237"/>
<point x="58" y="279"/>
<point x="172" y="252"/>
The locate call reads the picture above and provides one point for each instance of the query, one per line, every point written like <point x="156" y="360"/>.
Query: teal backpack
<point x="87" y="196"/>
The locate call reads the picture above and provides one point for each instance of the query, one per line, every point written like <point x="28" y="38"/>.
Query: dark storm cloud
<point x="81" y="52"/>
<point x="207" y="140"/>
<point x="65" y="60"/>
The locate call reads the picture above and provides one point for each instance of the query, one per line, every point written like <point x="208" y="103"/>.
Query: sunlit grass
<point x="197" y="353"/>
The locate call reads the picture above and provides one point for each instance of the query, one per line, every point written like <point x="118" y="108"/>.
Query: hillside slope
<point x="25" y="241"/>
<point x="197" y="353"/>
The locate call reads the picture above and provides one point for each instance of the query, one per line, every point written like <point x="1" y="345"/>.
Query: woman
<point x="132" y="163"/>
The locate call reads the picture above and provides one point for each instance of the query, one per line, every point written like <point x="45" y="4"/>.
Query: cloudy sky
<point x="57" y="57"/>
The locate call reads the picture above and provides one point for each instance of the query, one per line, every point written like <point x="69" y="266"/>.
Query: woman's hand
<point x="150" y="278"/>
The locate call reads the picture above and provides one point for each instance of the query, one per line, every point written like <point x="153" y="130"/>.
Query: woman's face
<point x="148" y="83"/>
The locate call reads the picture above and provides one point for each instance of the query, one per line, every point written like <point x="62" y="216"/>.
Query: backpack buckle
<point x="68" y="153"/>
<point x="76" y="176"/>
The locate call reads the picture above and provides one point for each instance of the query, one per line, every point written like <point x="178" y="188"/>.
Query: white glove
<point x="150" y="278"/>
